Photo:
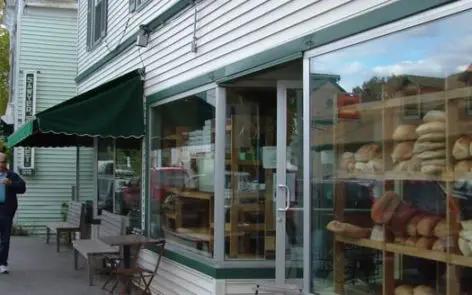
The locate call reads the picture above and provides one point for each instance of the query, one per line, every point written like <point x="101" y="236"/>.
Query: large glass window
<point x="119" y="178"/>
<point x="391" y="163"/>
<point x="181" y="172"/>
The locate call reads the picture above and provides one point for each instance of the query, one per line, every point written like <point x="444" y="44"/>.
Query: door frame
<point x="281" y="188"/>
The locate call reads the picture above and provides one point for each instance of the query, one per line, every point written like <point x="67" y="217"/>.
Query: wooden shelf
<point x="390" y="175"/>
<point x="399" y="102"/>
<point x="368" y="243"/>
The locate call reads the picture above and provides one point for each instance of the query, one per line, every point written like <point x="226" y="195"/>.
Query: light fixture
<point x="142" y="39"/>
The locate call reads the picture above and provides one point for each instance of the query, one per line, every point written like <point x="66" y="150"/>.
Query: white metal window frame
<point x="93" y="42"/>
<point x="407" y="23"/>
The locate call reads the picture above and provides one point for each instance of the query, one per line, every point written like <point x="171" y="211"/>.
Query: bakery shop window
<point x="181" y="172"/>
<point x="391" y="204"/>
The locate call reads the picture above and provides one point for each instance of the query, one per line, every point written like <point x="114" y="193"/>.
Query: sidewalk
<point x="36" y="269"/>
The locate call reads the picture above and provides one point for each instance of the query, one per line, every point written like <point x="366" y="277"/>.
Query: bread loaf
<point x="431" y="127"/>
<point x="420" y="147"/>
<point x="374" y="165"/>
<point x="398" y="223"/>
<point x="439" y="246"/>
<point x="411" y="241"/>
<point x="404" y="290"/>
<point x="432" y="154"/>
<point x="401" y="166"/>
<point x="464" y="166"/>
<point x="442" y="230"/>
<point x="426" y="225"/>
<point x="400" y="240"/>
<point x="414" y="164"/>
<point x="435" y="115"/>
<point x="460" y="150"/>
<point x="432" y="169"/>
<point x="466" y="224"/>
<point x="402" y="151"/>
<point x="466" y="235"/>
<point x="432" y="137"/>
<point x="368" y="152"/>
<point x="412" y="225"/>
<point x="425" y="243"/>
<point x="464" y="247"/>
<point x="360" y="166"/>
<point x="405" y="132"/>
<point x="346" y="159"/>
<point x="424" y="290"/>
<point x="384" y="207"/>
<point x="347" y="229"/>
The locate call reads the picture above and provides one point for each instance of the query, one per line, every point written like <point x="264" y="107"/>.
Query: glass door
<point x="289" y="184"/>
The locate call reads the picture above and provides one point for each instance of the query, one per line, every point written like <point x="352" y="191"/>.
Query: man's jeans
<point x="5" y="232"/>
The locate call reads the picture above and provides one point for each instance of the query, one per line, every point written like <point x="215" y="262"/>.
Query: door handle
<point x="287" y="197"/>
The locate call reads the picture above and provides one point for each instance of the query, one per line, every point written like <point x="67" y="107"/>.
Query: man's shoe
<point x="3" y="269"/>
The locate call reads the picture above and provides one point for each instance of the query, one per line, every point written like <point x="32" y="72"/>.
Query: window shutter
<point x="89" y="23"/>
<point x="104" y="18"/>
<point x="132" y="5"/>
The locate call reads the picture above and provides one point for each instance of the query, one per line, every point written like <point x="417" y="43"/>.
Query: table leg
<point x="126" y="264"/>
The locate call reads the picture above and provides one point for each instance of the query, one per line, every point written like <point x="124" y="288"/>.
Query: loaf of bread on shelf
<point x="442" y="230"/>
<point x="399" y="240"/>
<point x="401" y="166"/>
<point x="411" y="241"/>
<point x="466" y="235"/>
<point x="348" y="229"/>
<point x="404" y="290"/>
<point x="426" y="155"/>
<point x="464" y="247"/>
<point x="399" y="221"/>
<point x="424" y="146"/>
<point x="405" y="132"/>
<point x="375" y="165"/>
<point x="432" y="137"/>
<point x="384" y="207"/>
<point x="402" y="151"/>
<point x="425" y="243"/>
<point x="368" y="152"/>
<point x="432" y="169"/>
<point x="347" y="161"/>
<point x="414" y="164"/>
<point x="463" y="166"/>
<point x="426" y="225"/>
<point x="466" y="224"/>
<point x="435" y="115"/>
<point x="431" y="127"/>
<point x="439" y="245"/>
<point x="461" y="148"/>
<point x="412" y="225"/>
<point x="424" y="290"/>
<point x="360" y="167"/>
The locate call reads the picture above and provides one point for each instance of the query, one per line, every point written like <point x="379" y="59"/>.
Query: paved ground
<point x="37" y="269"/>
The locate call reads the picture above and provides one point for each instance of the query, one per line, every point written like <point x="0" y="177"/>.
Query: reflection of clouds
<point x="439" y="49"/>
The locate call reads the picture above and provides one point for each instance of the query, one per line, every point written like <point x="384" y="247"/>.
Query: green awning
<point x="112" y="110"/>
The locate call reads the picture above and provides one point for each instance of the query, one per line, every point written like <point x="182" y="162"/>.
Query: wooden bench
<point x="110" y="225"/>
<point x="75" y="216"/>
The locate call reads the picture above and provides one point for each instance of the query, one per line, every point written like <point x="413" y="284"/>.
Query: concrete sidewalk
<point x="36" y="269"/>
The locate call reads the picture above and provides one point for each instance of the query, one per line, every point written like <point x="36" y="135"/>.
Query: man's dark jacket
<point x="17" y="186"/>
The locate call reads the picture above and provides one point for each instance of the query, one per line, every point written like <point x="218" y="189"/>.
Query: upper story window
<point x="135" y="5"/>
<point x="96" y="22"/>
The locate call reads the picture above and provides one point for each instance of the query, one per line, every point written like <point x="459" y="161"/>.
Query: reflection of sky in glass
<point x="436" y="49"/>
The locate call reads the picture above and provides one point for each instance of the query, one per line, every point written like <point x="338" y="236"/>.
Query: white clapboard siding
<point x="47" y="40"/>
<point x="227" y="31"/>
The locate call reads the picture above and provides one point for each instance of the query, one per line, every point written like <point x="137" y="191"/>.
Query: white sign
<point x="29" y="110"/>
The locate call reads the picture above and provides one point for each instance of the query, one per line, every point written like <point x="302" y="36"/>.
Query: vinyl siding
<point x="47" y="44"/>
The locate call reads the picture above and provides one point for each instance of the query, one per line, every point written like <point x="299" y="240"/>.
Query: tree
<point x="4" y="68"/>
<point x="370" y="90"/>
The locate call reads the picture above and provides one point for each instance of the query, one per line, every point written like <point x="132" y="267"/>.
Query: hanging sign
<point x="29" y="109"/>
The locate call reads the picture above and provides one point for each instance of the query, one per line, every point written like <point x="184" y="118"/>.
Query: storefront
<point x="341" y="170"/>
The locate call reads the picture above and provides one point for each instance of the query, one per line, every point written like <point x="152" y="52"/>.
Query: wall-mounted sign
<point x="29" y="110"/>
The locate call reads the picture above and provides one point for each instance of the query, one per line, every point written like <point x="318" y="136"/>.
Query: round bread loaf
<point x="424" y="290"/>
<point x="374" y="165"/>
<point x="398" y="223"/>
<point x="464" y="166"/>
<point x="439" y="246"/>
<point x="432" y="137"/>
<point x="420" y="147"/>
<point x="414" y="164"/>
<point x="412" y="225"/>
<point x="435" y="115"/>
<point x="368" y="152"/>
<point x="404" y="290"/>
<point x="431" y="127"/>
<point x="346" y="159"/>
<point x="405" y="132"/>
<point x="402" y="151"/>
<point x="401" y="166"/>
<point x="400" y="240"/>
<point x="360" y="166"/>
<point x="461" y="148"/>
<point x="432" y="169"/>
<point x="426" y="225"/>
<point x="384" y="207"/>
<point x="439" y="162"/>
<point x="464" y="247"/>
<point x="425" y="243"/>
<point x="432" y="154"/>
<point x="442" y="230"/>
<point x="411" y="241"/>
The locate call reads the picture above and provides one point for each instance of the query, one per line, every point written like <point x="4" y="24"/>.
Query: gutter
<point x="51" y="5"/>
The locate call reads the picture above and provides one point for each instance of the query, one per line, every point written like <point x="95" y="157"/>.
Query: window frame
<point x="134" y="6"/>
<point x="92" y="41"/>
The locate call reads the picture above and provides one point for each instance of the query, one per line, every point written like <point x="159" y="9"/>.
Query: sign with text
<point x="29" y="109"/>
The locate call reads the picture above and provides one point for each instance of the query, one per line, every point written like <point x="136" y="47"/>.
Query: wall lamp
<point x="142" y="39"/>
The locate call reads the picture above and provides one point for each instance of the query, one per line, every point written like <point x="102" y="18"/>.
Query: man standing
<point x="10" y="185"/>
